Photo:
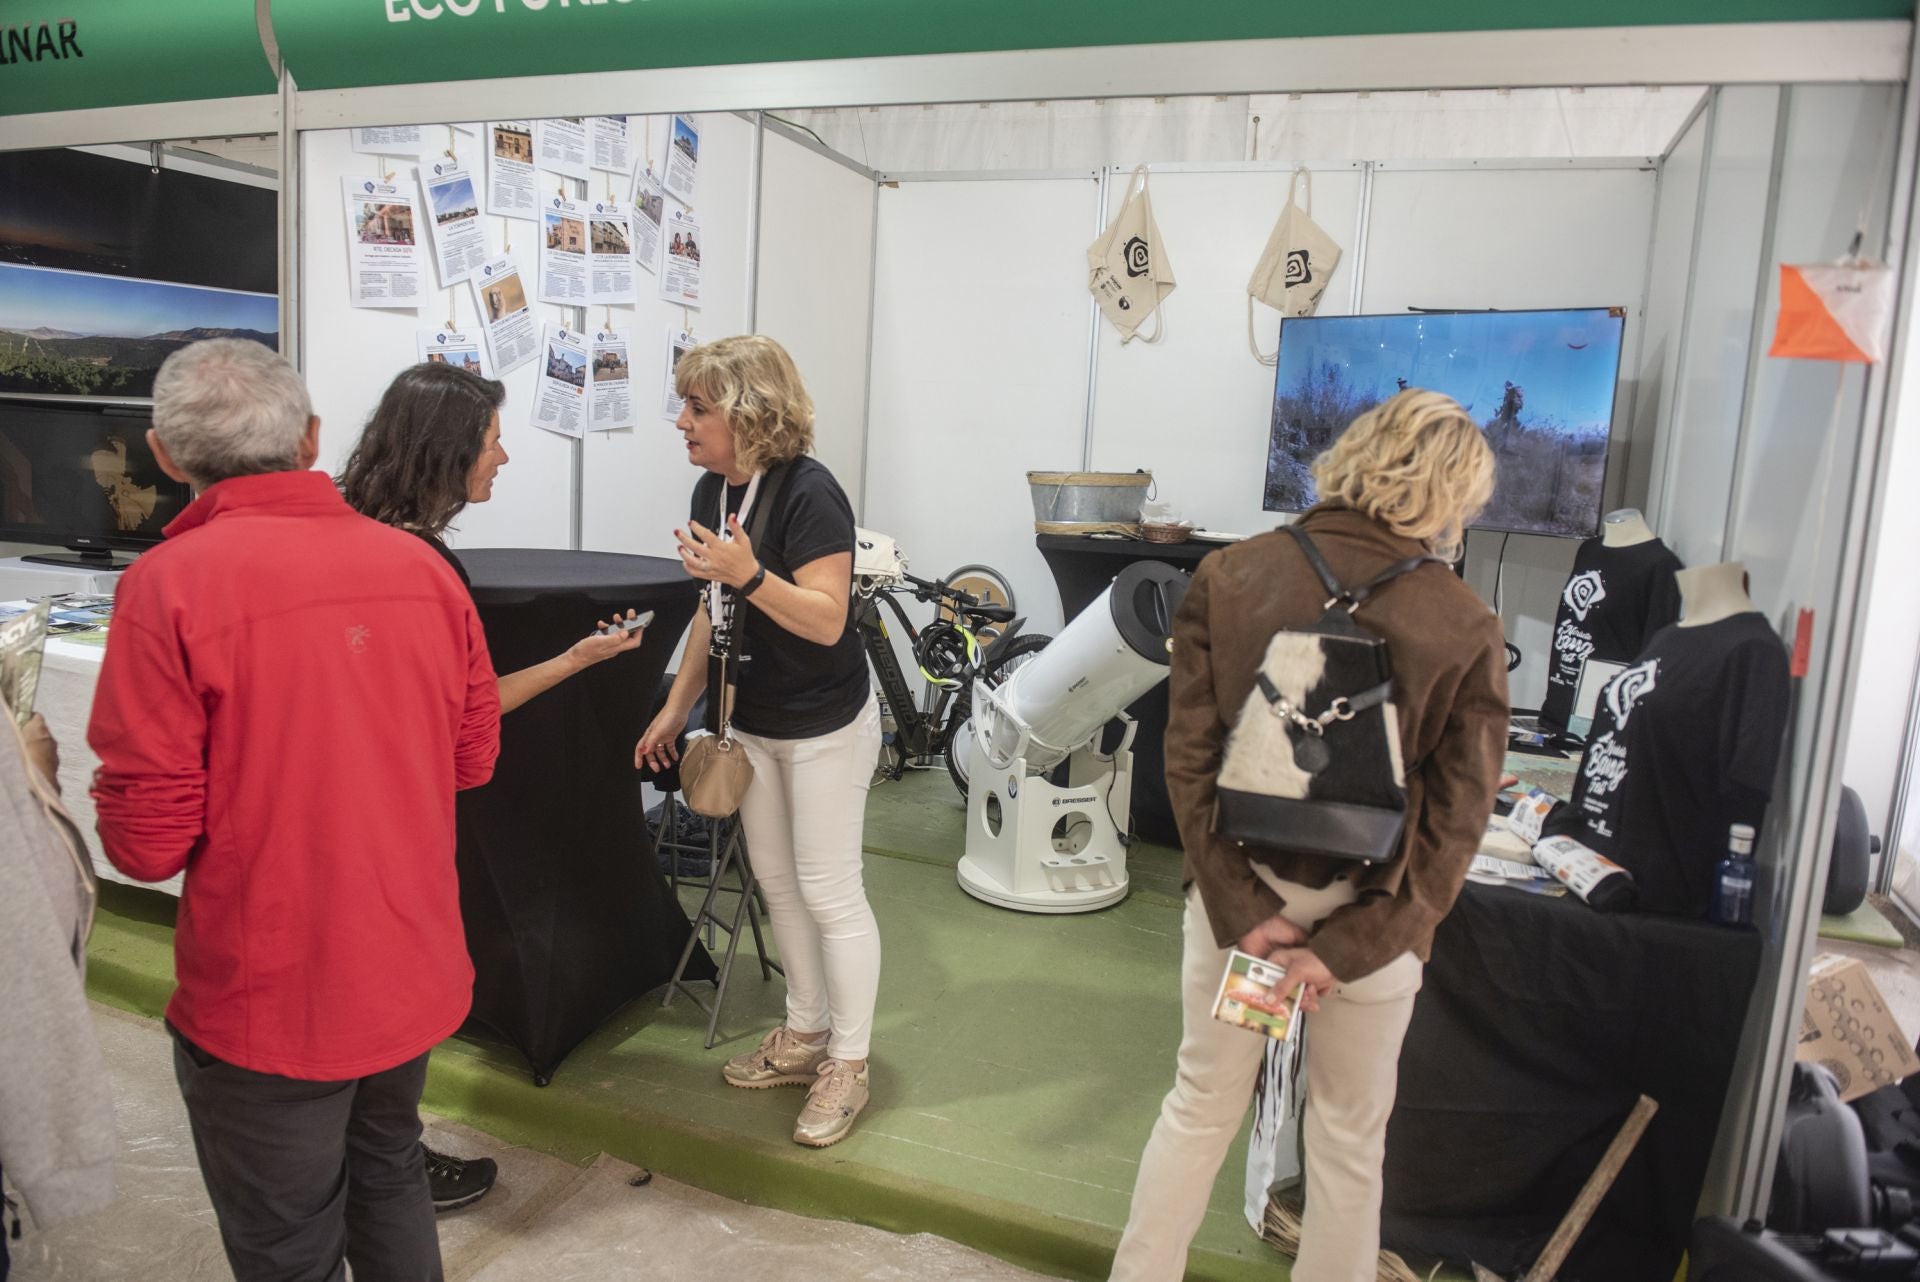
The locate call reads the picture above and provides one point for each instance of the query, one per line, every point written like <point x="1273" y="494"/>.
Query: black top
<point x="446" y="552"/>
<point x="1615" y="600"/>
<point x="1684" y="746"/>
<point x="790" y="687"/>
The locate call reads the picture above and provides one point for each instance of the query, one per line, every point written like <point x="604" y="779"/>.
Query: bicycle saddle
<point x="992" y="613"/>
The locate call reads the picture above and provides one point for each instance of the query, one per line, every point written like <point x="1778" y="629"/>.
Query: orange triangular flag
<point x="1834" y="312"/>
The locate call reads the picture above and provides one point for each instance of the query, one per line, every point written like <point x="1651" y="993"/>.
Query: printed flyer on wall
<point x="382" y="254"/>
<point x="560" y="397"/>
<point x="563" y="252"/>
<point x="610" y="253"/>
<point x="397" y="140"/>
<point x="560" y="145"/>
<point x="683" y="158"/>
<point x="512" y="336"/>
<point x="610" y="397"/>
<point x="679" y="343"/>
<point x="452" y="347"/>
<point x="607" y="139"/>
<point x="459" y="239"/>
<point x="680" y="260"/>
<point x="510" y="191"/>
<point x="649" y="207"/>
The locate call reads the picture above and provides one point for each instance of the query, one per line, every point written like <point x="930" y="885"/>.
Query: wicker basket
<point x="1165" y="531"/>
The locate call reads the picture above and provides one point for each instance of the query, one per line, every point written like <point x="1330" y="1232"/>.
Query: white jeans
<point x="803" y="816"/>
<point x="1353" y="1055"/>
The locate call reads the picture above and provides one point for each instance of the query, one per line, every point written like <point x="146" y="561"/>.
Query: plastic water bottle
<point x="1733" y="880"/>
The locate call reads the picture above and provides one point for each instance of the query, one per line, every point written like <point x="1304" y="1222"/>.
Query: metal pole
<point x="1093" y="330"/>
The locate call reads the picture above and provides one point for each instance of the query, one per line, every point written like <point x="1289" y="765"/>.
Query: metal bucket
<point x="1088" y="498"/>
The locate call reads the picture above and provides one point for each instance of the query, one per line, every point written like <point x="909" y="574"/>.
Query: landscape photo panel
<point x="72" y="333"/>
<point x="1539" y="383"/>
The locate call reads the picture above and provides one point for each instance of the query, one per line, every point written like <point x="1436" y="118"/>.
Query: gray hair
<point x="230" y="407"/>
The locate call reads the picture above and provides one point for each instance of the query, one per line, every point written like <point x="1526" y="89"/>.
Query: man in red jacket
<point x="290" y="699"/>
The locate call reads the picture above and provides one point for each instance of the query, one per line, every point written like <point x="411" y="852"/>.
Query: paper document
<point x="23" y="639"/>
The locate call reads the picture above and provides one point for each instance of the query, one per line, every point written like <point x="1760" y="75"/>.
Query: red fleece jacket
<point x="291" y="695"/>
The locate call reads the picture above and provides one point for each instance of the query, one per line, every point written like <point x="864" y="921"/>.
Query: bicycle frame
<point x="922" y="729"/>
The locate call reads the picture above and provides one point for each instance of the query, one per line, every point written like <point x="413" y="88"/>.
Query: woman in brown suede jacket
<point x="1402" y="481"/>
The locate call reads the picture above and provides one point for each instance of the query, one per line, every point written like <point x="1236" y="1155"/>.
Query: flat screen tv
<point x="81" y="476"/>
<point x="1541" y="385"/>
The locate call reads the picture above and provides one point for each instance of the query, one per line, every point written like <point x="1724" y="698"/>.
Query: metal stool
<point x="728" y="848"/>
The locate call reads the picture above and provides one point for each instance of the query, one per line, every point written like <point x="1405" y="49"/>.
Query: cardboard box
<point x="1847" y="1028"/>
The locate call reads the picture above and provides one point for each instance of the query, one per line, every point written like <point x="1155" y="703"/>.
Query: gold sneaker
<point x="781" y="1059"/>
<point x="836" y="1098"/>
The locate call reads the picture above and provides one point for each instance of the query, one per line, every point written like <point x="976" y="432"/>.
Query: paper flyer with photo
<point x="397" y="140"/>
<point x="679" y="343"/>
<point x="683" y="158"/>
<point x="607" y="140"/>
<point x="383" y="257"/>
<point x="1249" y="997"/>
<point x="563" y="252"/>
<point x="609" y="252"/>
<point x="459" y="238"/>
<point x="560" y="145"/>
<point x="510" y="192"/>
<point x="610" y="397"/>
<point x="452" y="347"/>
<point x="560" y="396"/>
<point x="23" y="639"/>
<point x="680" y="260"/>
<point x="512" y="336"/>
<point x="649" y="208"/>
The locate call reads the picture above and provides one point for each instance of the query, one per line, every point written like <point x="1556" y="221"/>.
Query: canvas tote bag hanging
<point x="1296" y="265"/>
<point x="1127" y="269"/>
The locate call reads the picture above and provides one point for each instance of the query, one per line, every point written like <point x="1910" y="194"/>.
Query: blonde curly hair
<point x="755" y="385"/>
<point x="1417" y="463"/>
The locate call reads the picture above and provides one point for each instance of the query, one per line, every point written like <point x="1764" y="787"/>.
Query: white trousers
<point x="803" y="816"/>
<point x="1353" y="1054"/>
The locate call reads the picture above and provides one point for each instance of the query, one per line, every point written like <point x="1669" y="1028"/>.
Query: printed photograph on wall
<point x="68" y="333"/>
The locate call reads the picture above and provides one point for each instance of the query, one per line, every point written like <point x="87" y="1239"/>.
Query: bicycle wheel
<point x="985" y="582"/>
<point x="1019" y="651"/>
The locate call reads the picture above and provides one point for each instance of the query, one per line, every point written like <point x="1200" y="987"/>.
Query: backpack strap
<point x="1353" y="598"/>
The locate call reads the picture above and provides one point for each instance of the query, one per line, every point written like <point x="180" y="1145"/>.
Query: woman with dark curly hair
<point x="432" y="447"/>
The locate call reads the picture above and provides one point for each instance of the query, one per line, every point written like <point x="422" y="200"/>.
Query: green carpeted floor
<point x="1019" y="1061"/>
<point x="1864" y="925"/>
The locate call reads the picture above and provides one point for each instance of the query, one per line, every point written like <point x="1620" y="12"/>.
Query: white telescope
<point x="1047" y="812"/>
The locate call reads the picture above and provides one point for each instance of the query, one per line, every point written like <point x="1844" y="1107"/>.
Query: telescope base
<point x="982" y="885"/>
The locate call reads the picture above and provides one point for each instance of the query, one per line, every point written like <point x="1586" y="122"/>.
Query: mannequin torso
<point x="1710" y="593"/>
<point x="1624" y="528"/>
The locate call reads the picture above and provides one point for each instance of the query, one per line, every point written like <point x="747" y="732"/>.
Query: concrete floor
<point x="545" y="1221"/>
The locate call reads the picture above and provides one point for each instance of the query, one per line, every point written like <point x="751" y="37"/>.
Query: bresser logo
<point x="1089" y="799"/>
<point x="53" y="41"/>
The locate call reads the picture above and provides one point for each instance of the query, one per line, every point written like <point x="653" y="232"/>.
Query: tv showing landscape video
<point x="1540" y="384"/>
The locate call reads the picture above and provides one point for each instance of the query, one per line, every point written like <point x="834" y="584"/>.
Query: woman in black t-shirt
<point x="432" y="447"/>
<point x="804" y="711"/>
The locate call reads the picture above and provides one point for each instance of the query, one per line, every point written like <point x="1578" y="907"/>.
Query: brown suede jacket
<point x="1450" y="688"/>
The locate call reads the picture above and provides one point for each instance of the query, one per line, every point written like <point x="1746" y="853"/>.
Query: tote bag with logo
<point x="1295" y="266"/>
<point x="1127" y="269"/>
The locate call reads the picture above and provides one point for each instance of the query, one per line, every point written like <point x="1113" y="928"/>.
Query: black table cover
<point x="1539" y="1024"/>
<point x="1082" y="568"/>
<point x="567" y="915"/>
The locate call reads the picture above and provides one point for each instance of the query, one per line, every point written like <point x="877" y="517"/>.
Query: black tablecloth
<point x="1540" y="1022"/>
<point x="567" y="916"/>
<point x="1082" y="568"/>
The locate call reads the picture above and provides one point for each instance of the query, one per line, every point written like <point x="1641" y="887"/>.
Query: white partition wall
<point x="814" y="287"/>
<point x="634" y="483"/>
<point x="980" y="335"/>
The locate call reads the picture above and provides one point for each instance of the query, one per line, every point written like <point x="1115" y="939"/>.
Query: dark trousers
<point x="308" y="1177"/>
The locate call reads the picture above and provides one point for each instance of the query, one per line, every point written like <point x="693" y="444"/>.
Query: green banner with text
<point x="332" y="44"/>
<point x="60" y="55"/>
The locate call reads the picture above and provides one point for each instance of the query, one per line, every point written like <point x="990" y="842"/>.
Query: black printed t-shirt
<point x="1615" y="600"/>
<point x="1684" y="746"/>
<point x="790" y="687"/>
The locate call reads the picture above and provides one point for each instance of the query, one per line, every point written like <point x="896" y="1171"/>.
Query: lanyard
<point x="718" y="613"/>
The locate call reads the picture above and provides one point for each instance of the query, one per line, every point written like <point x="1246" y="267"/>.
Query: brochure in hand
<point x="23" y="638"/>
<point x="1250" y="997"/>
